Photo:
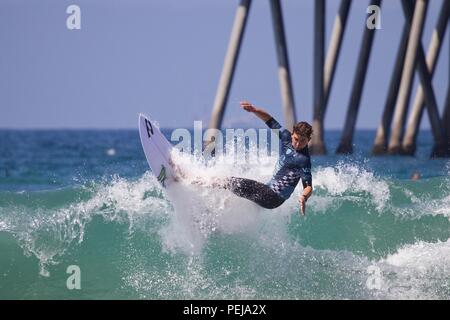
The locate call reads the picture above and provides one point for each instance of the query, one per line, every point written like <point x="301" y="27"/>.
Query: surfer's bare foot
<point x="219" y="183"/>
<point x="214" y="182"/>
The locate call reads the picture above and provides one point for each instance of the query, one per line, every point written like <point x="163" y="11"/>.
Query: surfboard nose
<point x="142" y="118"/>
<point x="157" y="150"/>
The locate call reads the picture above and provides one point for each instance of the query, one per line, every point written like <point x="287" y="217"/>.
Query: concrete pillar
<point x="229" y="66"/>
<point x="383" y="130"/>
<point x="404" y="93"/>
<point x="345" y="145"/>
<point x="317" y="145"/>
<point x="284" y="74"/>
<point x="446" y="120"/>
<point x="334" y="49"/>
<point x="409" y="141"/>
<point x="446" y="128"/>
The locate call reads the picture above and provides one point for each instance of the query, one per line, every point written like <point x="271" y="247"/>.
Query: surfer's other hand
<point x="302" y="205"/>
<point x="247" y="106"/>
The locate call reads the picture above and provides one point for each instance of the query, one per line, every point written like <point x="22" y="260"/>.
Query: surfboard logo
<point x="162" y="176"/>
<point x="148" y="126"/>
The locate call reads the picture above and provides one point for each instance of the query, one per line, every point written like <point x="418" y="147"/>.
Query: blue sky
<point x="164" y="58"/>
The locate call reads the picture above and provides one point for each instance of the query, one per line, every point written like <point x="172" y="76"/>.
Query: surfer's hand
<point x="302" y="205"/>
<point x="247" y="106"/>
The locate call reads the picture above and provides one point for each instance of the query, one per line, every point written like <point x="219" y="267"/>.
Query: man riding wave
<point x="293" y="164"/>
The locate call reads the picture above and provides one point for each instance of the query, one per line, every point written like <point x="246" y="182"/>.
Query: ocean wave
<point x="416" y="271"/>
<point x="208" y="243"/>
<point x="47" y="232"/>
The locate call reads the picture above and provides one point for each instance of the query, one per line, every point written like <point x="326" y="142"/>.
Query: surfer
<point x="293" y="164"/>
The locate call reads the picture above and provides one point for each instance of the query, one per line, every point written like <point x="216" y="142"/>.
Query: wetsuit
<point x="292" y="165"/>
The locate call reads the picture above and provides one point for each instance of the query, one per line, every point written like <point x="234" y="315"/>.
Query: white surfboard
<point x="157" y="151"/>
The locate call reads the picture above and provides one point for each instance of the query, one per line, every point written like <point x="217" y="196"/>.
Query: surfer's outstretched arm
<point x="281" y="132"/>
<point x="260" y="113"/>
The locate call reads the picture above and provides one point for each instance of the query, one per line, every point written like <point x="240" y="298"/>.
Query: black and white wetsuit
<point x="292" y="165"/>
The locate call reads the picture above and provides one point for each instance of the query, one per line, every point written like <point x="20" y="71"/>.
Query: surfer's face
<point x="298" y="141"/>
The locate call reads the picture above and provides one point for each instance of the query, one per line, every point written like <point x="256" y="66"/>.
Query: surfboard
<point x="157" y="151"/>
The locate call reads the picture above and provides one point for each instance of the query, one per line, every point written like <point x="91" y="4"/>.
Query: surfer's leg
<point x="212" y="182"/>
<point x="254" y="191"/>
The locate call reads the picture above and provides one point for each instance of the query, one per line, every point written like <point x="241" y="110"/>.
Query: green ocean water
<point x="88" y="198"/>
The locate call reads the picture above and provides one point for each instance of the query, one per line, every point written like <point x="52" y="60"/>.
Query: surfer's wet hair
<point x="303" y="129"/>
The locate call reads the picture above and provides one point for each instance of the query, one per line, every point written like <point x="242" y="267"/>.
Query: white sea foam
<point x="200" y="210"/>
<point x="416" y="271"/>
<point x="351" y="180"/>
<point x="191" y="281"/>
<point x="48" y="233"/>
<point x="3" y="226"/>
<point x="441" y="207"/>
